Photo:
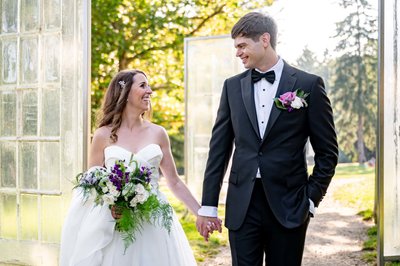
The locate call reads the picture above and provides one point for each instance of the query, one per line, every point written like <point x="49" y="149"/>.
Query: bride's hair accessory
<point x="122" y="83"/>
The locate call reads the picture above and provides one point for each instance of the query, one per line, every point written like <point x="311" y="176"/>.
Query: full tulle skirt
<point x="89" y="239"/>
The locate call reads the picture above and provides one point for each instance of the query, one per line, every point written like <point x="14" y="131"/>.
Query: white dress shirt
<point x="264" y="94"/>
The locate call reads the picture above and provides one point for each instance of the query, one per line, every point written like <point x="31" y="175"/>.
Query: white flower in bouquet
<point x="133" y="202"/>
<point x="142" y="197"/>
<point x="108" y="199"/>
<point x="113" y="190"/>
<point x="140" y="189"/>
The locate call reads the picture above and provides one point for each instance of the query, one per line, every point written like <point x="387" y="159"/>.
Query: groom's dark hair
<point x="253" y="25"/>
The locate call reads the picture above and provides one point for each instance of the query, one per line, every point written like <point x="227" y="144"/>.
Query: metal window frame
<point x="86" y="40"/>
<point x="380" y="175"/>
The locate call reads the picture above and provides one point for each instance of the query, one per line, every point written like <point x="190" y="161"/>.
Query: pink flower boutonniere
<point x="291" y="100"/>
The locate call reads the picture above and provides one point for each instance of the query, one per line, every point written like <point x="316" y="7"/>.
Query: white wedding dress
<point x="89" y="238"/>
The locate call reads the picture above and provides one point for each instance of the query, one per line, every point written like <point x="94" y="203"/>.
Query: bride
<point x="88" y="236"/>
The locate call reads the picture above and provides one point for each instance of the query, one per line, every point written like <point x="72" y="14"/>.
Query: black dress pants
<point x="261" y="234"/>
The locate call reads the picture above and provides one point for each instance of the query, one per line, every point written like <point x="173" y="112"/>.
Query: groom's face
<point x="252" y="53"/>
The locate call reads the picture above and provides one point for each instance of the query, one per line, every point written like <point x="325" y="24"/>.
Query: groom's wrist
<point x="208" y="211"/>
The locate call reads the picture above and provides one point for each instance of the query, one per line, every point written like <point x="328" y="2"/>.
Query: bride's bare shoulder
<point x="157" y="129"/>
<point x="102" y="135"/>
<point x="160" y="135"/>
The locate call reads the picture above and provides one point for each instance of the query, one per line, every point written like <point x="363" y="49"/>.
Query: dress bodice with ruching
<point x="149" y="156"/>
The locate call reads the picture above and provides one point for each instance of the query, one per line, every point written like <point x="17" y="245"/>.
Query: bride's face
<point x="140" y="93"/>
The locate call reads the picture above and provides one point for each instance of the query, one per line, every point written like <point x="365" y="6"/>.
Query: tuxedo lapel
<point x="286" y="84"/>
<point x="248" y="99"/>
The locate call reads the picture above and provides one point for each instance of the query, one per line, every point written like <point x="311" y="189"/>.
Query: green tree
<point x="149" y="35"/>
<point x="309" y="62"/>
<point x="354" y="92"/>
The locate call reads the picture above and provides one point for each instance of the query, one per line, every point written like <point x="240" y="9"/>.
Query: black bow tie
<point x="257" y="76"/>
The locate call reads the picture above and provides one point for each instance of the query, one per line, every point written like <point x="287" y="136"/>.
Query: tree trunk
<point x="360" y="140"/>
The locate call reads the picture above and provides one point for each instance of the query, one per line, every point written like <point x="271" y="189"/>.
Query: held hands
<point x="207" y="225"/>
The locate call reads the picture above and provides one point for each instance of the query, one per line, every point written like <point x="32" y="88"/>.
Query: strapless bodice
<point x="149" y="156"/>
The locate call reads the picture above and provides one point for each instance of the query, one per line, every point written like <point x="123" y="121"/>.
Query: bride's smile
<point x="140" y="93"/>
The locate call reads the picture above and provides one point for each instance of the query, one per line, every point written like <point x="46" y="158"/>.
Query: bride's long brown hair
<point x="115" y="100"/>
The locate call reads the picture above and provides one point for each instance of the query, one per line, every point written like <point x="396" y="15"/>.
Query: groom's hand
<point x="206" y="225"/>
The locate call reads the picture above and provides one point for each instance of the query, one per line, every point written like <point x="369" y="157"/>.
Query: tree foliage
<point x="149" y="35"/>
<point x="355" y="80"/>
<point x="309" y="62"/>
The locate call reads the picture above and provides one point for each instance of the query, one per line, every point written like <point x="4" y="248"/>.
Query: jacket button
<point x="260" y="153"/>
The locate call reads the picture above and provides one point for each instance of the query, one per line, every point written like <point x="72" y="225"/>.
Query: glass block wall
<point x="41" y="124"/>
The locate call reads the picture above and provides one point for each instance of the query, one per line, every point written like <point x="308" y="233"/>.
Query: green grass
<point x="349" y="170"/>
<point x="201" y="249"/>
<point x="369" y="248"/>
<point x="359" y="194"/>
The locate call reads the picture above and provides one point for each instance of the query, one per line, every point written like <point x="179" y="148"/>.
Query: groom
<point x="271" y="196"/>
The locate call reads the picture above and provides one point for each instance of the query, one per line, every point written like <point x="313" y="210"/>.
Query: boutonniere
<point x="291" y="100"/>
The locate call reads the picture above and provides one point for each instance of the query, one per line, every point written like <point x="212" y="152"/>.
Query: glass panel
<point x="8" y="216"/>
<point x="7" y="164"/>
<point x="51" y="59"/>
<point x="68" y="27"/>
<point x="391" y="130"/>
<point x="51" y="218"/>
<point x="29" y="113"/>
<point x="28" y="165"/>
<point x="50" y="112"/>
<point x="29" y="15"/>
<point x="9" y="14"/>
<point x="202" y="123"/>
<point x="50" y="166"/>
<point x="52" y="14"/>
<point x="29" y="217"/>
<point x="9" y="66"/>
<point x="29" y="62"/>
<point x="212" y="55"/>
<point x="8" y="113"/>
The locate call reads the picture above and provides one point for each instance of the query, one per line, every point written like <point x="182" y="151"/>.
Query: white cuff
<point x="208" y="211"/>
<point x="313" y="209"/>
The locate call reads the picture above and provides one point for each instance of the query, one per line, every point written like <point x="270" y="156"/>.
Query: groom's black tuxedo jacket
<point x="280" y="154"/>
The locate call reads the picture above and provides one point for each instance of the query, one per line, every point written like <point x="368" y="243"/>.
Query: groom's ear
<point x="265" y="39"/>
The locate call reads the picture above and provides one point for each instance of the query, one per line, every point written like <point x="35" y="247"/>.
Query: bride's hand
<point x="206" y="225"/>
<point x="115" y="212"/>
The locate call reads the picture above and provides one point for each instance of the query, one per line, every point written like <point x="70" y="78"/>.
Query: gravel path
<point x="334" y="236"/>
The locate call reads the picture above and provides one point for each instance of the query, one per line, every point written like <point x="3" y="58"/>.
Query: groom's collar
<point x="277" y="68"/>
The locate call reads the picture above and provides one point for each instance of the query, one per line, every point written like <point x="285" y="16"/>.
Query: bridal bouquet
<point x="130" y="191"/>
